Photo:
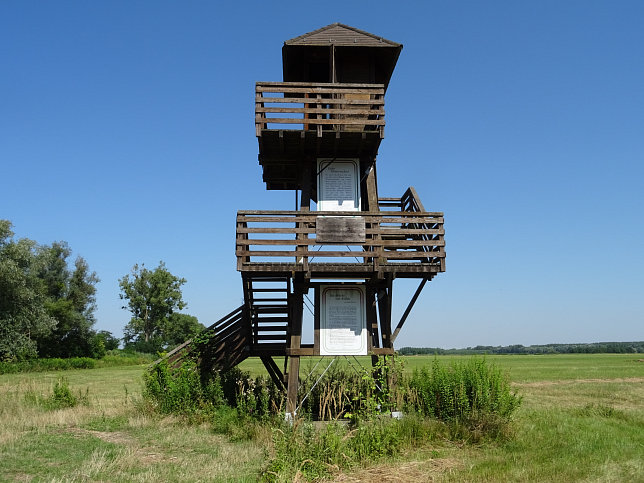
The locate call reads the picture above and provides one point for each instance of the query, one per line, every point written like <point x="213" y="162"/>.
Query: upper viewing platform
<point x="331" y="102"/>
<point x="318" y="119"/>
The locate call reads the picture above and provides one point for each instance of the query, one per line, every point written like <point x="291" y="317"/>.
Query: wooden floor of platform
<point x="344" y="270"/>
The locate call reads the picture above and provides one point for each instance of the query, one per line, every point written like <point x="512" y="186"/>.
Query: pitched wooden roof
<point x="341" y="35"/>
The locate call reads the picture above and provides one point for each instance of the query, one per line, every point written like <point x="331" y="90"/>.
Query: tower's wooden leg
<point x="295" y="343"/>
<point x="293" y="385"/>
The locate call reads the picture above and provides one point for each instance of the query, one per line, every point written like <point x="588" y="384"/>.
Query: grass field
<point x="582" y="419"/>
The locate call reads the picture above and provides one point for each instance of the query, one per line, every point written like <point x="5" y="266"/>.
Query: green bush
<point x="62" y="397"/>
<point x="52" y="364"/>
<point x="302" y="451"/>
<point x="472" y="394"/>
<point x="179" y="390"/>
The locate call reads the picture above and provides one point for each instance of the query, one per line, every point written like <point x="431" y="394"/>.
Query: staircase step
<point x="266" y="309"/>
<point x="268" y="337"/>
<point x="271" y="319"/>
<point x="269" y="289"/>
<point x="271" y="328"/>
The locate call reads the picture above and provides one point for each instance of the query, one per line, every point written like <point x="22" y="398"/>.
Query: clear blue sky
<point x="126" y="129"/>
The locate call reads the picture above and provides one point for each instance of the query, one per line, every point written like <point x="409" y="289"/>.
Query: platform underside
<point x="282" y="151"/>
<point x="344" y="270"/>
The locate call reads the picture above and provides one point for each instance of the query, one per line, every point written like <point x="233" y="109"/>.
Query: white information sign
<point x="338" y="184"/>
<point x="343" y="322"/>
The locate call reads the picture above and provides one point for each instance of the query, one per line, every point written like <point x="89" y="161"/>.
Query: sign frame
<point x="337" y="177"/>
<point x="333" y="307"/>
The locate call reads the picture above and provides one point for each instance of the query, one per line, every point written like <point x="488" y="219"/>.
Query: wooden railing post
<point x="259" y="126"/>
<point x="241" y="243"/>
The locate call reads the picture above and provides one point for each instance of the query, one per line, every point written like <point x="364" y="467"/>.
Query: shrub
<point x="471" y="393"/>
<point x="175" y="391"/>
<point x="302" y="451"/>
<point x="52" y="364"/>
<point x="62" y="397"/>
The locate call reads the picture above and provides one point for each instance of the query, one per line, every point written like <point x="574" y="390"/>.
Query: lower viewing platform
<point x="341" y="244"/>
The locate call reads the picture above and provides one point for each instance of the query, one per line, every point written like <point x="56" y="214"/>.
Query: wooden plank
<point x="401" y="243"/>
<point x="273" y="371"/>
<point x="340" y="229"/>
<point x="408" y="310"/>
<point x="408" y="255"/>
<point x="312" y="253"/>
<point x="407" y="231"/>
<point x="321" y="90"/>
<point x="313" y="84"/>
<point x="323" y="110"/>
<point x="433" y="214"/>
<point x="306" y="100"/>
<point x="383" y="351"/>
<point x="285" y="230"/>
<point x="301" y="351"/>
<point x="325" y="122"/>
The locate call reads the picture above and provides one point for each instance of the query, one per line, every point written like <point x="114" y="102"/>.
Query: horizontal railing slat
<point x="263" y="100"/>
<point x="320" y="110"/>
<point x="343" y="122"/>
<point x="310" y="84"/>
<point x="332" y="89"/>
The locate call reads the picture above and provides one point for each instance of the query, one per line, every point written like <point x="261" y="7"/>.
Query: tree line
<point x="581" y="348"/>
<point x="48" y="304"/>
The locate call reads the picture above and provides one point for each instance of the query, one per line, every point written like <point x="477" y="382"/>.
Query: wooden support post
<point x="273" y="371"/>
<point x="371" y="197"/>
<point x="293" y="385"/>
<point x="372" y="187"/>
<point x="372" y="322"/>
<point x="295" y="343"/>
<point x="305" y="205"/>
<point x="384" y="309"/>
<point x="408" y="310"/>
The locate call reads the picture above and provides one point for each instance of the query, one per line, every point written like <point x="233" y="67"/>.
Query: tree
<point x="23" y="317"/>
<point x="152" y="297"/>
<point x="70" y="299"/>
<point x="107" y="339"/>
<point x="180" y="328"/>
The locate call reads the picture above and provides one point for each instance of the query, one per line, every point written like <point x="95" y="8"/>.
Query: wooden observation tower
<point x="343" y="245"/>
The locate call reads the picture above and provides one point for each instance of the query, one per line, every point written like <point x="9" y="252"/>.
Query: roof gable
<point x="342" y="35"/>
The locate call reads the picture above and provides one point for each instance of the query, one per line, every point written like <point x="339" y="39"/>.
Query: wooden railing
<point x="320" y="107"/>
<point x="221" y="345"/>
<point x="372" y="238"/>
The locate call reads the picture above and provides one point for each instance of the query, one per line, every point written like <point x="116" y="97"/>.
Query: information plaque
<point x="343" y="323"/>
<point x="338" y="184"/>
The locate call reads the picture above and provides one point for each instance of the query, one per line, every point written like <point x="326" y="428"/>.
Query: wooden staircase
<point x="267" y="301"/>
<point x="221" y="346"/>
<point x="260" y="324"/>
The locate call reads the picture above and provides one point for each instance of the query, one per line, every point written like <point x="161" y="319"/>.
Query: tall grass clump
<point x="309" y="453"/>
<point x="471" y="395"/>
<point x="62" y="397"/>
<point x="180" y="390"/>
<point x="187" y="391"/>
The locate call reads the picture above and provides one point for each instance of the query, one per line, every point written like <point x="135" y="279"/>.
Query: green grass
<point x="521" y="368"/>
<point x="582" y="419"/>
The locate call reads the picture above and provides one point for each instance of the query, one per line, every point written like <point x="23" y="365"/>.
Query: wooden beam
<point x="408" y="310"/>
<point x="295" y="343"/>
<point x="384" y="308"/>
<point x="273" y="371"/>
